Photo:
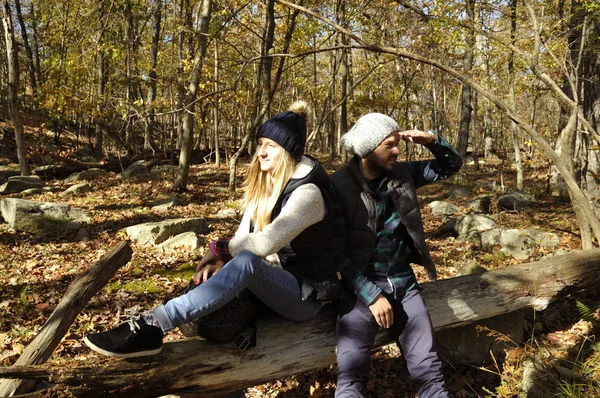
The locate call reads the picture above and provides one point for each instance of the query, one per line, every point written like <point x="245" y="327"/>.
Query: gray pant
<point x="412" y="329"/>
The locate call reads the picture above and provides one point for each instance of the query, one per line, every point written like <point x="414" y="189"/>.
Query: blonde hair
<point x="262" y="189"/>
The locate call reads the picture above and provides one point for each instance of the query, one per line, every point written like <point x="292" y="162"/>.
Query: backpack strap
<point x="246" y="338"/>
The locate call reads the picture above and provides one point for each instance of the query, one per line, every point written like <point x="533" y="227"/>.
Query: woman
<point x="282" y="250"/>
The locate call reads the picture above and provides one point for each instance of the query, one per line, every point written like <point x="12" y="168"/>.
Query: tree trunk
<point x="196" y="367"/>
<point x="28" y="51"/>
<point x="591" y="108"/>
<point x="512" y="100"/>
<point x="101" y="75"/>
<point x="152" y="74"/>
<point x="191" y="97"/>
<point x="12" y="58"/>
<point x="216" y="110"/>
<point x="466" y="94"/>
<point x="36" y="46"/>
<point x="79" y="292"/>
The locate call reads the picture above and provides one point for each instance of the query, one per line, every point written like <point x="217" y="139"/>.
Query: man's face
<point x="382" y="159"/>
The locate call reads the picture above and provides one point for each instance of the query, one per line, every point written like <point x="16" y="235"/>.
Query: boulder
<point x="167" y="170"/>
<point x="42" y="218"/>
<point x="78" y="189"/>
<point x="188" y="240"/>
<point x="227" y="213"/>
<point x="516" y="243"/>
<point x="135" y="170"/>
<point x="86" y="175"/>
<point x="165" y="204"/>
<point x="480" y="204"/>
<point x="516" y="201"/>
<point x="459" y="192"/>
<point x="439" y="208"/>
<point x="20" y="183"/>
<point x="470" y="224"/>
<point x="154" y="233"/>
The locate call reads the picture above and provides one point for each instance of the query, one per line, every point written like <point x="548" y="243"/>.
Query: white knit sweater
<point x="304" y="208"/>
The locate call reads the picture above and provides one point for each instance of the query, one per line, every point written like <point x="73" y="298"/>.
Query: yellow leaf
<point x="314" y="388"/>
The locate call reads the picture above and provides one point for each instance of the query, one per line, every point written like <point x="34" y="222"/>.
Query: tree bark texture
<point x="12" y="58"/>
<point x="28" y="51"/>
<point x="152" y="75"/>
<point x="196" y="367"/>
<point x="79" y="292"/>
<point x="466" y="94"/>
<point x="191" y="98"/>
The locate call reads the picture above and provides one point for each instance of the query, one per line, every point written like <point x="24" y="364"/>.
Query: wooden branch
<point x="196" y="367"/>
<point x="79" y="292"/>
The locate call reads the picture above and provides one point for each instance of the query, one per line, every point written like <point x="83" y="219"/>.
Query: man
<point x="384" y="235"/>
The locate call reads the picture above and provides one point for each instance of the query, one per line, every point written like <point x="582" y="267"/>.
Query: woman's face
<point x="269" y="153"/>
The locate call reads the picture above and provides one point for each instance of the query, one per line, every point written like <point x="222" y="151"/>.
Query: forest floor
<point x="34" y="273"/>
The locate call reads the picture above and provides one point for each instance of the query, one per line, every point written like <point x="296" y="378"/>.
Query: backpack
<point x="230" y="323"/>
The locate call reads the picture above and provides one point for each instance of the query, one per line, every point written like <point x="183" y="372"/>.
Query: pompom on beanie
<point x="367" y="133"/>
<point x="288" y="129"/>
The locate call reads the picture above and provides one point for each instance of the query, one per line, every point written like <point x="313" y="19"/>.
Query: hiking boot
<point x="133" y="338"/>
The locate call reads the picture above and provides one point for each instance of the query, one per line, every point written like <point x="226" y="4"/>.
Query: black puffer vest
<point x="310" y="256"/>
<point x="361" y="215"/>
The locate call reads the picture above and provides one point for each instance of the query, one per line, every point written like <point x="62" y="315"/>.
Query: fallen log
<point x="79" y="292"/>
<point x="193" y="367"/>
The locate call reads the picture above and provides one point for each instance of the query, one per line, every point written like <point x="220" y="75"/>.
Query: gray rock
<point x="473" y="223"/>
<point x="227" y="213"/>
<point x="86" y="175"/>
<point x="135" y="170"/>
<point x="21" y="183"/>
<point x="33" y="191"/>
<point x="489" y="186"/>
<point x="165" y="204"/>
<point x="516" y="201"/>
<point x="448" y="228"/>
<point x="439" y="208"/>
<point x="165" y="170"/>
<point x="512" y="242"/>
<point x="42" y="218"/>
<point x="154" y="233"/>
<point x="78" y="189"/>
<point x="516" y="243"/>
<point x="459" y="192"/>
<point x="541" y="238"/>
<point x="480" y="204"/>
<point x="189" y="240"/>
<point x="470" y="269"/>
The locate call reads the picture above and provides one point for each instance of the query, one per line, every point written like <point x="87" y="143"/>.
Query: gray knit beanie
<point x="367" y="133"/>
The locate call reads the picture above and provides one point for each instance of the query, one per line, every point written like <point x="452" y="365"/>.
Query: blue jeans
<point x="275" y="287"/>
<point x="412" y="329"/>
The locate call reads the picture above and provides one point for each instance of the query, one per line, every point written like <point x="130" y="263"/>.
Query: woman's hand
<point x="209" y="265"/>
<point x="382" y="311"/>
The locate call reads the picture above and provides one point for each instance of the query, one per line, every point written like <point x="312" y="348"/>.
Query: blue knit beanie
<point x="288" y="129"/>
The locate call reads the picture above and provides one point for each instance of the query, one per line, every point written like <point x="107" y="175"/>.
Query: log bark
<point x="193" y="367"/>
<point x="79" y="292"/>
